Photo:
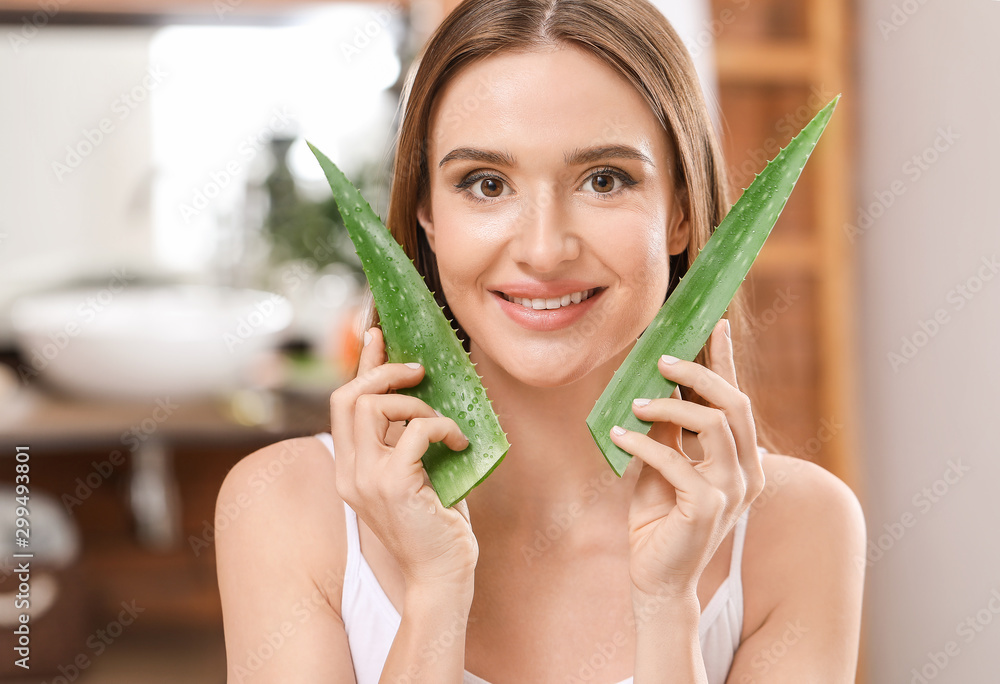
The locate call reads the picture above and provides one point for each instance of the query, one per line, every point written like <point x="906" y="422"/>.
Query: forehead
<point x="547" y="102"/>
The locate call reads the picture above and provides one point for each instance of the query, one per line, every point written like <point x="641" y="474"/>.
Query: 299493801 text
<point x="22" y="561"/>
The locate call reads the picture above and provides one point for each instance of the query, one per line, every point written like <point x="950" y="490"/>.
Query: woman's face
<point x="550" y="179"/>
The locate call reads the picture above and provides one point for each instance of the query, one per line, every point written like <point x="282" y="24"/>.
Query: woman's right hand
<point x="386" y="484"/>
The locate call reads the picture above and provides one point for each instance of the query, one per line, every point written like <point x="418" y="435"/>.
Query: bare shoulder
<point x="806" y="535"/>
<point x="800" y="490"/>
<point x="281" y="547"/>
<point x="282" y="468"/>
<point x="278" y="511"/>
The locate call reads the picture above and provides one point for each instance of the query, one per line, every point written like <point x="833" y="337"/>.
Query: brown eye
<point x="602" y="183"/>
<point x="491" y="187"/>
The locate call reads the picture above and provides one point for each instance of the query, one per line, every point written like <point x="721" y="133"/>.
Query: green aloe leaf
<point x="687" y="318"/>
<point x="415" y="329"/>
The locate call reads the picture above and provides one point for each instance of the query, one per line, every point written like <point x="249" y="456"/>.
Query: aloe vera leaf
<point x="687" y="318"/>
<point x="415" y="329"/>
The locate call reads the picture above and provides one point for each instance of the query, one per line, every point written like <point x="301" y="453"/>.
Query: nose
<point x="544" y="236"/>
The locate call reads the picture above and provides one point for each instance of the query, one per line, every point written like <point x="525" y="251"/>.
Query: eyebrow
<point x="585" y="156"/>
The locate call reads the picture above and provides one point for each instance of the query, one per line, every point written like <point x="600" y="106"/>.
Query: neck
<point x="553" y="468"/>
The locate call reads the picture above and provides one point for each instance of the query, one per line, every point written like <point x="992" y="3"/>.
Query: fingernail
<point x="668" y="359"/>
<point x="728" y="331"/>
<point x="414" y="366"/>
<point x="440" y="415"/>
<point x="368" y="338"/>
<point x="618" y="430"/>
<point x="641" y="402"/>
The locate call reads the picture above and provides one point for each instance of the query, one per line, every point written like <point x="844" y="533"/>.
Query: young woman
<point x="555" y="174"/>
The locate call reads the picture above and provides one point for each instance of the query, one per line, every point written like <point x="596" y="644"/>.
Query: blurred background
<point x="176" y="291"/>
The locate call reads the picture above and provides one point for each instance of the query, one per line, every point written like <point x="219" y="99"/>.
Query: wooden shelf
<point x="774" y="63"/>
<point x="787" y="256"/>
<point x="815" y="342"/>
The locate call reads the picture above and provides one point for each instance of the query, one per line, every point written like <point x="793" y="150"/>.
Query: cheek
<point x="466" y="244"/>
<point x="637" y="253"/>
<point x="461" y="256"/>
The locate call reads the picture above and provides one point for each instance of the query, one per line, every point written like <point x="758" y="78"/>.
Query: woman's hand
<point x="681" y="509"/>
<point x="385" y="483"/>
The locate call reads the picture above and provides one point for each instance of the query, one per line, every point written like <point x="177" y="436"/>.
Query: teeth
<point x="539" y="304"/>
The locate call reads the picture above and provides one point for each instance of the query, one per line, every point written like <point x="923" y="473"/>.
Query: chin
<point x="548" y="368"/>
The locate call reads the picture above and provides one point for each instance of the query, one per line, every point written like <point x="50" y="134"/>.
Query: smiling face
<point x="552" y="212"/>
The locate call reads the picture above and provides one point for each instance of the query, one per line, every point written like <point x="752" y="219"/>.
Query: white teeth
<point x="539" y="304"/>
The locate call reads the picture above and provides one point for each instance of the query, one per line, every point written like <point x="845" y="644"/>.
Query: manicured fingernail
<point x="368" y="338"/>
<point x="728" y="331"/>
<point x="618" y="430"/>
<point x="641" y="402"/>
<point x="668" y="359"/>
<point x="414" y="366"/>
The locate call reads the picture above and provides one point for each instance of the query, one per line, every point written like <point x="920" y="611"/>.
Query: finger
<point x="416" y="438"/>
<point x="676" y="468"/>
<point x="373" y="351"/>
<point x="722" y="394"/>
<point x="375" y="412"/>
<point x="722" y="357"/>
<point x="667" y="433"/>
<point x="343" y="405"/>
<point x="709" y="424"/>
<point x="723" y="362"/>
<point x="341" y="410"/>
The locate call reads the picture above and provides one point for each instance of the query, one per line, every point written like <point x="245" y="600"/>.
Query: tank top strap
<point x="351" y="523"/>
<point x="736" y="559"/>
<point x="353" y="541"/>
<point x="739" y="536"/>
<point x="327" y="439"/>
<point x="350" y="517"/>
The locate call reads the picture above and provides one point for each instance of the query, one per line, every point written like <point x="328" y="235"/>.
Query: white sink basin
<point x="147" y="342"/>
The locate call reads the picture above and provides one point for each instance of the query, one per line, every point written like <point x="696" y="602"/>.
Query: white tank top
<point x="371" y="621"/>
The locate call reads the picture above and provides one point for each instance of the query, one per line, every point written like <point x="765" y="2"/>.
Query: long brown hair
<point x="634" y="39"/>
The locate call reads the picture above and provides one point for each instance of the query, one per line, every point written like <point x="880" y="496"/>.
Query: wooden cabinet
<point x="779" y="61"/>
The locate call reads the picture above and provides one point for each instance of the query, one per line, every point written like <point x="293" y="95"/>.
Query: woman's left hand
<point x="681" y="510"/>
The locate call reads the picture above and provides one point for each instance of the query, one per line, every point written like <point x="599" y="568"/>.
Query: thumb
<point x="462" y="507"/>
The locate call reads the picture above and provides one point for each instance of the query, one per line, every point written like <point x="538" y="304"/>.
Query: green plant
<point x="415" y="329"/>
<point x="686" y="319"/>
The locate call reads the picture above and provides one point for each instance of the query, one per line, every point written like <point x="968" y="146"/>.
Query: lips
<point x="544" y="319"/>
<point x="539" y="303"/>
<point x="552" y="289"/>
